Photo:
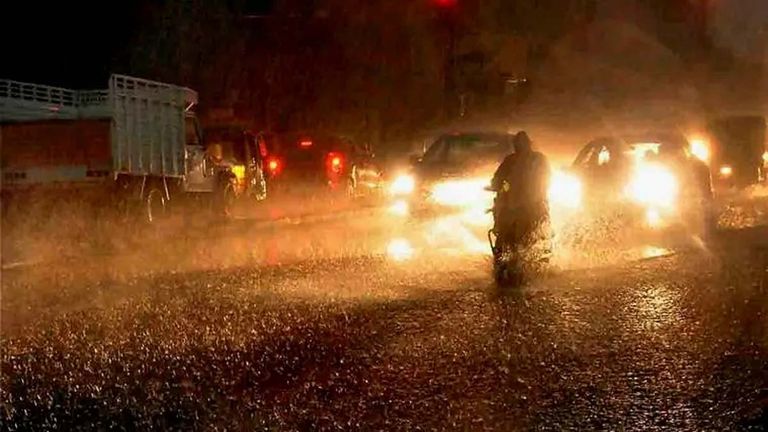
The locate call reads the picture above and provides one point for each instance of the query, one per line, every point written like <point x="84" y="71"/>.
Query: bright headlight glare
<point x="399" y="208"/>
<point x="700" y="149"/>
<point x="403" y="184"/>
<point x="653" y="185"/>
<point x="565" y="190"/>
<point x="726" y="171"/>
<point x="463" y="193"/>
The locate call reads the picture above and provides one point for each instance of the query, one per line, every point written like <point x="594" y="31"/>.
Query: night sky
<point x="66" y="43"/>
<point x="741" y="27"/>
<point x="75" y="43"/>
<point x="79" y="43"/>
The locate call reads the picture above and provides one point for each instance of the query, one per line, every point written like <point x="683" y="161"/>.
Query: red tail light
<point x="335" y="162"/>
<point x="274" y="165"/>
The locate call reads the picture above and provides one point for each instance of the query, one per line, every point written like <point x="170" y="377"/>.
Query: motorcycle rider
<point x="521" y="182"/>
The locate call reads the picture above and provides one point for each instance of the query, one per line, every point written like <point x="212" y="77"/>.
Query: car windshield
<point x="453" y="149"/>
<point x="617" y="151"/>
<point x="663" y="145"/>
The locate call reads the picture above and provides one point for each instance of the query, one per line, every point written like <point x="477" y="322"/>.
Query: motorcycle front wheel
<point x="507" y="270"/>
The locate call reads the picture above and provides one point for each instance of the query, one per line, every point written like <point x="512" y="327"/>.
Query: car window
<point x="643" y="150"/>
<point x="586" y="156"/>
<point x="466" y="148"/>
<point x="192" y="137"/>
<point x="436" y="152"/>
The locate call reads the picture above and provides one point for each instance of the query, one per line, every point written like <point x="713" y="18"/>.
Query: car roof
<point x="493" y="135"/>
<point x="665" y="139"/>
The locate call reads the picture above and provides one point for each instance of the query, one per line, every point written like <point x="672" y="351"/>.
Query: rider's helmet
<point x="522" y="142"/>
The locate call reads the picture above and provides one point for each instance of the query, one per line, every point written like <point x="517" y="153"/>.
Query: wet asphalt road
<point x="316" y="327"/>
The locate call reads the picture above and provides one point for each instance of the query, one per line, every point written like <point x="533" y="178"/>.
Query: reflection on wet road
<point x="370" y="322"/>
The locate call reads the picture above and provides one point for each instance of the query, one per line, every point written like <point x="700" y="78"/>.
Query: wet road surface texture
<point x="375" y="324"/>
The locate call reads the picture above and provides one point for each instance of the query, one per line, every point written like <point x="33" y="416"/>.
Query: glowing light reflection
<point x="399" y="208"/>
<point x="700" y="149"/>
<point x="463" y="193"/>
<point x="400" y="249"/>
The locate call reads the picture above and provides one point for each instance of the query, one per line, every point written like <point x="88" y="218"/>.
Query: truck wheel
<point x="154" y="205"/>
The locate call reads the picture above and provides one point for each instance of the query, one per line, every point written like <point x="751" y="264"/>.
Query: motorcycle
<point x="520" y="242"/>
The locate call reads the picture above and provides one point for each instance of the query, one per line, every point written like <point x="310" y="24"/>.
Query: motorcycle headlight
<point x="653" y="185"/>
<point x="565" y="190"/>
<point x="403" y="184"/>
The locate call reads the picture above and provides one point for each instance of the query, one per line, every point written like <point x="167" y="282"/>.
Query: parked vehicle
<point x="135" y="145"/>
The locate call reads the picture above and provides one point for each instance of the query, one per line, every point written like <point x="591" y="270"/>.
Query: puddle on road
<point x="649" y="252"/>
<point x="465" y="236"/>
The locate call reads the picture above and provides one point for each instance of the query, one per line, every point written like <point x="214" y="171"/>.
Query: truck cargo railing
<point x="148" y="127"/>
<point x="37" y="93"/>
<point x="21" y="101"/>
<point x="92" y="97"/>
<point x="147" y="118"/>
<point x="152" y="91"/>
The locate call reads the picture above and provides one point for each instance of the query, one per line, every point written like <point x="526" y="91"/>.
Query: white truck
<point x="136" y="145"/>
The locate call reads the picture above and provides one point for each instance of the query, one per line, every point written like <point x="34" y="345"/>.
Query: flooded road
<point x="378" y="323"/>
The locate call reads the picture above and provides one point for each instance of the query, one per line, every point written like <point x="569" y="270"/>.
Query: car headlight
<point x="565" y="190"/>
<point x="403" y="184"/>
<point x="399" y="208"/>
<point x="700" y="149"/>
<point x="653" y="185"/>
<point x="726" y="171"/>
<point x="463" y="193"/>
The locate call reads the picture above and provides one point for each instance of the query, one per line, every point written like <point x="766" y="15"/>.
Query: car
<point x="305" y="160"/>
<point x="651" y="176"/>
<point x="452" y="173"/>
